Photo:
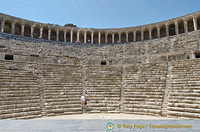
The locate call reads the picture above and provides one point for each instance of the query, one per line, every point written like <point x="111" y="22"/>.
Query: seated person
<point x="83" y="100"/>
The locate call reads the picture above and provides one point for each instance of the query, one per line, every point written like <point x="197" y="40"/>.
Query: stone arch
<point x="190" y="25"/>
<point x="36" y="31"/>
<point x="154" y="33"/>
<point x="81" y="36"/>
<point x="198" y="23"/>
<point x="88" y="36"/>
<point x="162" y="31"/>
<point x="95" y="38"/>
<point x="181" y="27"/>
<point x="123" y="37"/>
<point x="74" y="39"/>
<point x="172" y="30"/>
<point x="130" y="36"/>
<point x="53" y="34"/>
<point x="45" y="32"/>
<point x="61" y="35"/>
<point x="27" y="30"/>
<point x="103" y="36"/>
<point x="7" y="26"/>
<point x="68" y="35"/>
<point x="18" y="28"/>
<point x="138" y="35"/>
<point x="116" y="37"/>
<point x="146" y="34"/>
<point x="109" y="38"/>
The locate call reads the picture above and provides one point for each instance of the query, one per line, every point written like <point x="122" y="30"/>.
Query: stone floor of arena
<point x="107" y="116"/>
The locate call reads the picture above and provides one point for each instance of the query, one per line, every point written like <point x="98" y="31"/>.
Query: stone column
<point x="49" y="34"/>
<point x="57" y="34"/>
<point x="78" y="35"/>
<point x="150" y="37"/>
<point x="22" y="29"/>
<point x="65" y="33"/>
<point x="142" y="34"/>
<point x="85" y="36"/>
<point x="106" y="36"/>
<point x="176" y="27"/>
<point x="13" y="27"/>
<point x="92" y="39"/>
<point x="99" y="37"/>
<point x="185" y="25"/>
<point x="32" y="27"/>
<point x="134" y="35"/>
<point x="167" y="29"/>
<point x="120" y="37"/>
<point x="113" y="38"/>
<point x="158" y="31"/>
<point x="126" y="37"/>
<point x="2" y="24"/>
<point x="41" y="31"/>
<point x="71" y="36"/>
<point x="195" y="23"/>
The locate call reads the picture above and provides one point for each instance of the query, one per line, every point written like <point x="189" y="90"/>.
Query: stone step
<point x="184" y="114"/>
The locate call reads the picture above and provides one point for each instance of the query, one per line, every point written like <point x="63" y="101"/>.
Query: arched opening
<point x="103" y="37"/>
<point x="198" y="23"/>
<point x="172" y="30"/>
<point x="27" y="30"/>
<point x="146" y="34"/>
<point x="116" y="37"/>
<point x="81" y="36"/>
<point x="190" y="25"/>
<point x="7" y="27"/>
<point x="154" y="33"/>
<point x="74" y="36"/>
<point x="138" y="35"/>
<point x="181" y="27"/>
<point x="130" y="37"/>
<point x="18" y="28"/>
<point x="163" y="31"/>
<point x="61" y="36"/>
<point x="45" y="33"/>
<point x="68" y="36"/>
<point x="36" y="32"/>
<point x="123" y="37"/>
<point x="88" y="37"/>
<point x="95" y="38"/>
<point x="109" y="38"/>
<point x="53" y="34"/>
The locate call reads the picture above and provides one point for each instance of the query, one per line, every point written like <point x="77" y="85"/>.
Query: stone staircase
<point x="103" y="85"/>
<point x="184" y="89"/>
<point x="19" y="96"/>
<point x="62" y="89"/>
<point x="144" y="87"/>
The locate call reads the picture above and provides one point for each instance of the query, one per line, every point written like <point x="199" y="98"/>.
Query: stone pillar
<point x="120" y="37"/>
<point x="150" y="37"/>
<point x="195" y="23"/>
<point x="167" y="29"/>
<point x="99" y="37"/>
<point x="49" y="34"/>
<point x="32" y="27"/>
<point x="78" y="36"/>
<point x="106" y="36"/>
<point x="22" y="30"/>
<point x="126" y="37"/>
<point x="13" y="27"/>
<point x="142" y="35"/>
<point x="113" y="38"/>
<point x="71" y="36"/>
<point x="92" y="39"/>
<point x="158" y="31"/>
<point x="57" y="34"/>
<point x="65" y="33"/>
<point x="185" y="26"/>
<point x="2" y="24"/>
<point x="41" y="31"/>
<point x="85" y="36"/>
<point x="134" y="33"/>
<point x="176" y="27"/>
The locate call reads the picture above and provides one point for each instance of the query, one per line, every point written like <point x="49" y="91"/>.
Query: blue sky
<point x="99" y="13"/>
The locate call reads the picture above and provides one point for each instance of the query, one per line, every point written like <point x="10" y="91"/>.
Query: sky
<point x="99" y="13"/>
